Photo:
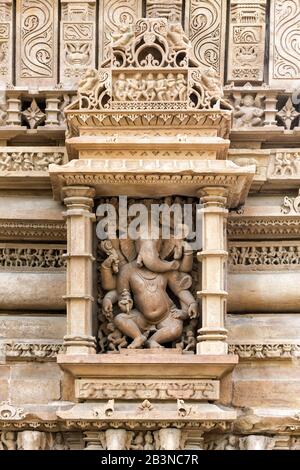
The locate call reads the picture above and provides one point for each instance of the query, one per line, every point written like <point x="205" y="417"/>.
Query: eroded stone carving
<point x="169" y="9"/>
<point x="9" y="412"/>
<point x="8" y="440"/>
<point x="33" y="115"/>
<point x="248" y="110"/>
<point x="14" y="160"/>
<point x="291" y="205"/>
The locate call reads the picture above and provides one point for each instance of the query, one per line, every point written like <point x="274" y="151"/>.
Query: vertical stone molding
<point x="6" y="41"/>
<point x="205" y="25"/>
<point x="77" y="52"/>
<point x="212" y="335"/>
<point x="36" y="42"/>
<point x="79" y="216"/>
<point x="13" y="112"/>
<point x="246" y="40"/>
<point x="116" y="439"/>
<point x="194" y="440"/>
<point x="52" y="111"/>
<point x="115" y="18"/>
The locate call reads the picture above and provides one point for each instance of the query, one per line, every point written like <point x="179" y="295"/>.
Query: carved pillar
<point x="79" y="216"/>
<point x="52" y="111"/>
<point x="13" y="112"/>
<point x="116" y="439"/>
<point x="6" y="41"/>
<point x="212" y="335"/>
<point x="77" y="52"/>
<point x="170" y="439"/>
<point x="270" y="109"/>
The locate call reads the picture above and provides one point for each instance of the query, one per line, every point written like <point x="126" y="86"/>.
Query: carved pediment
<point x="151" y="67"/>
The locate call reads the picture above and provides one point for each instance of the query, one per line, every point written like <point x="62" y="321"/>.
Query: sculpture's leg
<point x="167" y="331"/>
<point x="127" y="324"/>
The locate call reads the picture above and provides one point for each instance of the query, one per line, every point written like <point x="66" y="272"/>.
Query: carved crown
<point x="150" y="67"/>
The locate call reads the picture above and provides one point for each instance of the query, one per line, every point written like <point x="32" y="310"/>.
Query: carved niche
<point x="146" y="292"/>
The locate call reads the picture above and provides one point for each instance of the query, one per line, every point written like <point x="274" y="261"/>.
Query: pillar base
<point x="212" y="348"/>
<point x="80" y="345"/>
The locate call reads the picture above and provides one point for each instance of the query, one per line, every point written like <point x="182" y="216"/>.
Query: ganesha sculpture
<point x="147" y="297"/>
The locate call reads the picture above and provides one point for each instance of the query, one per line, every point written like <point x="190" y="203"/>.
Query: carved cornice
<point x="270" y="351"/>
<point x="239" y="227"/>
<point x="32" y="230"/>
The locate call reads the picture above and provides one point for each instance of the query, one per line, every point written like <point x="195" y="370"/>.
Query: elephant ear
<point x="128" y="249"/>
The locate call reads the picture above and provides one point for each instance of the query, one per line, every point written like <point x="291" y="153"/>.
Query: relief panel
<point x="205" y="25"/>
<point x="36" y="52"/>
<point x="284" y="43"/>
<point x="77" y="52"/>
<point x="246" y="40"/>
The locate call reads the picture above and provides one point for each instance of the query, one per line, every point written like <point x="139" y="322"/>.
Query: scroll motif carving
<point x="247" y="37"/>
<point x="6" y="38"/>
<point x="116" y="15"/>
<point x="291" y="205"/>
<point x="285" y="40"/>
<point x="36" y="57"/>
<point x="78" y="36"/>
<point x="206" y="26"/>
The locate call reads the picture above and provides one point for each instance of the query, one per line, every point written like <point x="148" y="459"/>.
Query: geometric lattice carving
<point x="78" y="39"/>
<point x="246" y="40"/>
<point x="206" y="23"/>
<point x="36" y="42"/>
<point x="115" y="15"/>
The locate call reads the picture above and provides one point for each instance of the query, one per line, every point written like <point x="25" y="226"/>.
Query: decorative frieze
<point x="6" y="41"/>
<point x="264" y="256"/>
<point x="265" y="350"/>
<point x="247" y="40"/>
<point x="78" y="35"/>
<point x="206" y="24"/>
<point x="33" y="257"/>
<point x="31" y="350"/>
<point x="272" y="227"/>
<point x="36" y="41"/>
<point x="28" y="159"/>
<point x="116" y="17"/>
<point x="147" y="389"/>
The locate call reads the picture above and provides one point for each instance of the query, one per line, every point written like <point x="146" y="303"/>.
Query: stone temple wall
<point x="70" y="136"/>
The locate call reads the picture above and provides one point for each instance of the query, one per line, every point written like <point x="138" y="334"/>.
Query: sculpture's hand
<point x="107" y="308"/>
<point x="112" y="262"/>
<point x="126" y="305"/>
<point x="177" y="315"/>
<point x="193" y="310"/>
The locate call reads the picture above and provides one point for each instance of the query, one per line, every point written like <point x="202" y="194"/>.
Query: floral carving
<point x="33" y="115"/>
<point x="288" y="114"/>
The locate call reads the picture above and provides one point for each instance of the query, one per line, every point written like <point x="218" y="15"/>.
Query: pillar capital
<point x="213" y="196"/>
